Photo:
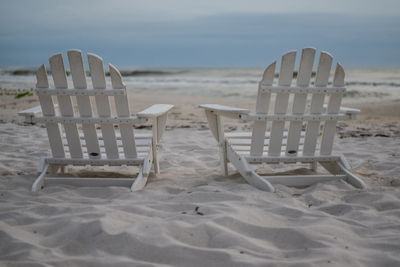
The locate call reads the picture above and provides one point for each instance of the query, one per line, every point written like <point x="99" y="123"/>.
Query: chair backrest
<point x="297" y="131"/>
<point x="74" y="132"/>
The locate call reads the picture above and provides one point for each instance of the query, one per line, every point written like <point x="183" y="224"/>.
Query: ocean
<point x="363" y="84"/>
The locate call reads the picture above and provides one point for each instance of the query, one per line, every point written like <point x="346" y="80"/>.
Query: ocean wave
<point x="127" y="73"/>
<point x="149" y="72"/>
<point x="374" y="84"/>
<point x="198" y="76"/>
<point x="18" y="72"/>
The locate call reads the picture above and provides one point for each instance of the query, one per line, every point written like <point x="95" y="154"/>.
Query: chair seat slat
<point x="247" y="135"/>
<point x="300" y="89"/>
<point x="118" y="136"/>
<point x="80" y="92"/>
<point x="91" y="120"/>
<point x="293" y="117"/>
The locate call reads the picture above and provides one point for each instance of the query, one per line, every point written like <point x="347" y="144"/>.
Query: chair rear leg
<point x="314" y="166"/>
<point x="54" y="169"/>
<point x="342" y="167"/>
<point x="248" y="172"/>
<point x="143" y="174"/>
<point x="140" y="181"/>
<point x="351" y="178"/>
<point x="39" y="182"/>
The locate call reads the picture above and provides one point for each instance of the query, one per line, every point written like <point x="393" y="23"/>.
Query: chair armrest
<point x="30" y="114"/>
<point x="345" y="110"/>
<point x="155" y="111"/>
<point x="226" y="111"/>
<point x="350" y="112"/>
<point x="158" y="114"/>
<point x="31" y="111"/>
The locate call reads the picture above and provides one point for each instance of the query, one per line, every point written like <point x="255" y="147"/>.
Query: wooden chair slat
<point x="299" y="102"/>
<point x="281" y="103"/>
<point x="65" y="104"/>
<point x="334" y="103"/>
<point x="122" y="106"/>
<point x="41" y="77"/>
<point x="305" y="67"/>
<point x="103" y="105"/>
<point x="77" y="69"/>
<point x="262" y="106"/>
<point x="47" y="106"/>
<point x="84" y="105"/>
<point x="317" y="101"/>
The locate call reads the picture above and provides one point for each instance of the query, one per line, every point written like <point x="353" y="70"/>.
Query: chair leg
<point x="351" y="178"/>
<point x="155" y="160"/>
<point x="314" y="166"/>
<point x="342" y="167"/>
<point x="140" y="181"/>
<point x="141" y="178"/>
<point x="54" y="169"/>
<point x="155" y="146"/>
<point x="223" y="158"/>
<point x="248" y="172"/>
<point x="39" y="182"/>
<point x="63" y="169"/>
<point x="222" y="145"/>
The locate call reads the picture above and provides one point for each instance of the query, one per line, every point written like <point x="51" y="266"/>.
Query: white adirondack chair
<point x="84" y="136"/>
<point x="293" y="135"/>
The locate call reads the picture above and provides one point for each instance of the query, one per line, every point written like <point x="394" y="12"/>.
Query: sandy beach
<point x="190" y="215"/>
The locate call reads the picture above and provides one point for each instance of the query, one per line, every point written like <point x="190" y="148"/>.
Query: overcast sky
<point x="200" y="33"/>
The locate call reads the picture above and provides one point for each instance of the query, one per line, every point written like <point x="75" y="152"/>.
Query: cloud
<point x="131" y="34"/>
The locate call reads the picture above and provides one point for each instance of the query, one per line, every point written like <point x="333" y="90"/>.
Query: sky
<point x="207" y="33"/>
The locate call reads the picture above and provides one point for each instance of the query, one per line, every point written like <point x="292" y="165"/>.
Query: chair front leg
<point x="155" y="139"/>
<point x="222" y="146"/>
<point x="216" y="125"/>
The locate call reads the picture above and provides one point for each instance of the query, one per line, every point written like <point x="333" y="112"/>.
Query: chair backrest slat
<point x="84" y="105"/>
<point x="47" y="105"/>
<point x="60" y="82"/>
<point x="262" y="106"/>
<point x="334" y="103"/>
<point x="46" y="101"/>
<point x="317" y="101"/>
<point x="103" y="105"/>
<point x="122" y="107"/>
<point x="299" y="102"/>
<point x="281" y="103"/>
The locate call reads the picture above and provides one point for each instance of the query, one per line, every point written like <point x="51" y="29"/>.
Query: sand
<point x="190" y="215"/>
